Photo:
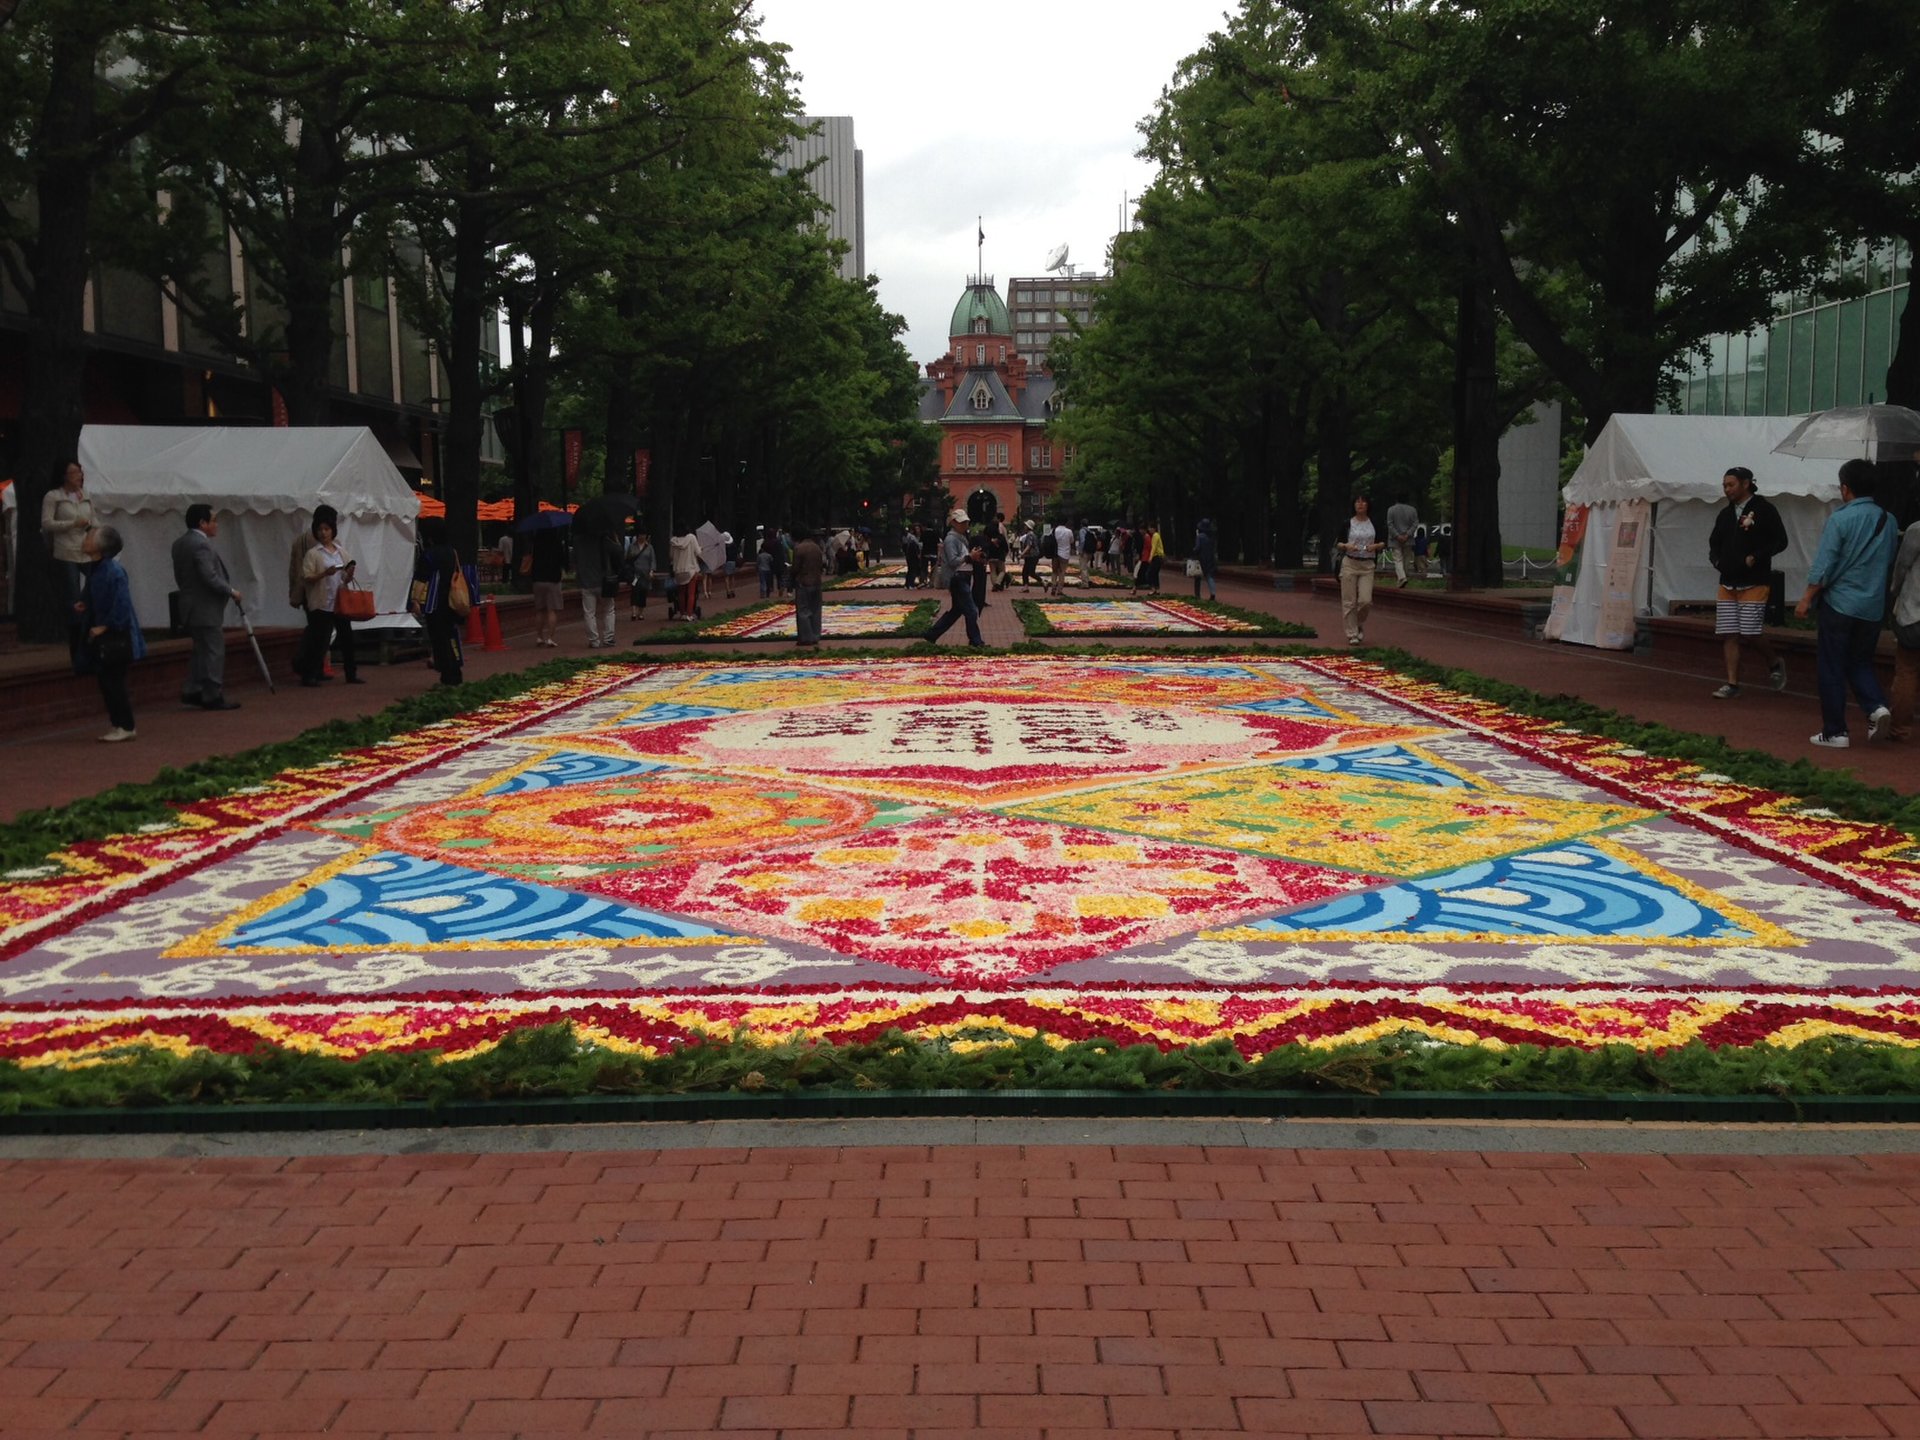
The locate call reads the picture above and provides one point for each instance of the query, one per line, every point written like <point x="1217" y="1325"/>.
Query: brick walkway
<point x="1014" y="1292"/>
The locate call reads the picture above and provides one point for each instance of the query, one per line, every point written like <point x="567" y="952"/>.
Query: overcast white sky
<point x="1022" y="113"/>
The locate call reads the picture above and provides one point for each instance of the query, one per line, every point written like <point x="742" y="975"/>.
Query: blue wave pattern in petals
<point x="1380" y="762"/>
<point x="1568" y="892"/>
<point x="572" y="769"/>
<point x="660" y="714"/>
<point x="394" y="899"/>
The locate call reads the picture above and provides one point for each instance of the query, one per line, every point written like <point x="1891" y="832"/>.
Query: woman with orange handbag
<point x="328" y="571"/>
<point x="443" y="591"/>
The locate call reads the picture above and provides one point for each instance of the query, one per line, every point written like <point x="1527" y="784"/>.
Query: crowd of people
<point x="1865" y="573"/>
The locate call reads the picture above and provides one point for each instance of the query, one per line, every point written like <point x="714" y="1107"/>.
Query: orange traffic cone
<point x="493" y="640"/>
<point x="476" y="632"/>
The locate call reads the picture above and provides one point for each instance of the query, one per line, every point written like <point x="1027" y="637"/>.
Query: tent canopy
<point x="245" y="471"/>
<point x="264" y="485"/>
<point x="1683" y="457"/>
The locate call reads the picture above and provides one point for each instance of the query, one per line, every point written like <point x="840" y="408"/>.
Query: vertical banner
<point x="571" y="444"/>
<point x="642" y="468"/>
<point x="1566" y="569"/>
<point x="1618" y="617"/>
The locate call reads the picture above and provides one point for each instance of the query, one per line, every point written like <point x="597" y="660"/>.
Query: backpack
<point x="1049" y="546"/>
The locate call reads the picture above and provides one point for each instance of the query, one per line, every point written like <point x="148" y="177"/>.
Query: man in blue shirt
<point x="1848" y="579"/>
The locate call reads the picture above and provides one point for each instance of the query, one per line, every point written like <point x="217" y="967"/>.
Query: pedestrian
<point x="980" y="574"/>
<point x="547" y="554"/>
<point x="960" y="560"/>
<point x="1904" y="591"/>
<point x="596" y="565"/>
<point x="910" y="552"/>
<point x="1205" y="559"/>
<point x="1848" y="584"/>
<point x="1421" y="540"/>
<point x="763" y="559"/>
<point x="640" y="563"/>
<point x="437" y="601"/>
<point x="1747" y="534"/>
<point x="66" y="515"/>
<point x="997" y="546"/>
<point x="732" y="561"/>
<point x="1029" y="556"/>
<point x="1402" y="521"/>
<point x="1153" y="549"/>
<point x="683" y="556"/>
<point x="113" y="638"/>
<point x="504" y="547"/>
<point x="1058" y="557"/>
<point x="1358" y="548"/>
<point x="809" y="588"/>
<point x="200" y="575"/>
<point x="328" y="569"/>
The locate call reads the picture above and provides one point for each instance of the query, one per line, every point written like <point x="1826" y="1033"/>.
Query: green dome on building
<point x="981" y="302"/>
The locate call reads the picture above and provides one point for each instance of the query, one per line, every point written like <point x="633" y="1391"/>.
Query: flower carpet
<point x="894" y="576"/>
<point x="1155" y="616"/>
<point x="1267" y="850"/>
<point x="842" y="620"/>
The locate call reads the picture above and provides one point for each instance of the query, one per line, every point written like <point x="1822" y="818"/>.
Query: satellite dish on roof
<point x="1057" y="259"/>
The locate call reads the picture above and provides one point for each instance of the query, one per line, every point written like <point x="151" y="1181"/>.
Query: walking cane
<point x="254" y="640"/>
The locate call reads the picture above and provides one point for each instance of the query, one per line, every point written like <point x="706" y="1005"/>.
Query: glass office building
<point x="1811" y="356"/>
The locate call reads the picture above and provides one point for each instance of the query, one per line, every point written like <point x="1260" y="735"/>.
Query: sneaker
<point x="1777" y="676"/>
<point x="115" y="735"/>
<point x="1727" y="691"/>
<point x="1832" y="742"/>
<point x="1878" y="723"/>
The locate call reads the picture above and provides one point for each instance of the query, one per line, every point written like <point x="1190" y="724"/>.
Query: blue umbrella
<point x="544" y="520"/>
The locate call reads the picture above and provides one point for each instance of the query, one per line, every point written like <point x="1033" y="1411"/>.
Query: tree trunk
<point x="1903" y="375"/>
<point x="623" y="411"/>
<point x="1336" y="475"/>
<point x="312" y="278"/>
<point x="532" y="339"/>
<point x="1478" y="420"/>
<point x="53" y="402"/>
<point x="466" y="313"/>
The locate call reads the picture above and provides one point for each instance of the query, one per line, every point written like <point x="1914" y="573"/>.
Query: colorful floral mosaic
<point x="894" y="576"/>
<point x="840" y="621"/>
<point x="1270" y="850"/>
<point x="1157" y="616"/>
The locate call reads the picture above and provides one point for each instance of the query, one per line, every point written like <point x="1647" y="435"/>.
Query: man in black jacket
<point x="1746" y="537"/>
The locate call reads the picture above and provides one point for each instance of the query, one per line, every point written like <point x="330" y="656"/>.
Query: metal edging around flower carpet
<point x="905" y="1105"/>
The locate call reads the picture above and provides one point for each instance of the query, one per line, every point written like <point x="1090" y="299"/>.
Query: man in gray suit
<point x="200" y="575"/>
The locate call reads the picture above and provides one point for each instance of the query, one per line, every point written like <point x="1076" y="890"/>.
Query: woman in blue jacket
<point x="114" y="641"/>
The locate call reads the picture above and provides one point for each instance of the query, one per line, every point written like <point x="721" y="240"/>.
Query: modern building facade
<point x="993" y="408"/>
<point x="840" y="182"/>
<point x="149" y="364"/>
<point x="1046" y="306"/>
<point x="1811" y="356"/>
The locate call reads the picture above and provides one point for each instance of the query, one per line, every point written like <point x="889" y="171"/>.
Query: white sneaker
<point x="116" y="735"/>
<point x="1726" y="692"/>
<point x="1832" y="742"/>
<point x="1878" y="723"/>
<point x="1777" y="676"/>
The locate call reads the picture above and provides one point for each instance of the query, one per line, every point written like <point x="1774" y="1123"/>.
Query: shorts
<point x="1740" y="610"/>
<point x="546" y="595"/>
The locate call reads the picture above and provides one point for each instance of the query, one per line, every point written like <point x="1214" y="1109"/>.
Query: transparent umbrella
<point x="1855" y="432"/>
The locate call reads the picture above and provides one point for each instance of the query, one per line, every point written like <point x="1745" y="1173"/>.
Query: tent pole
<point x="1653" y="517"/>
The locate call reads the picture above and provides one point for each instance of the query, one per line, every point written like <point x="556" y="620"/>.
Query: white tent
<point x="263" y="485"/>
<point x="1673" y="464"/>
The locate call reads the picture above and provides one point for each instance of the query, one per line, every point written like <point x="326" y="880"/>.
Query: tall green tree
<point x="82" y="83"/>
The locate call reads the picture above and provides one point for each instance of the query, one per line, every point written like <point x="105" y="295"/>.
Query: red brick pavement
<point x="1166" y="1292"/>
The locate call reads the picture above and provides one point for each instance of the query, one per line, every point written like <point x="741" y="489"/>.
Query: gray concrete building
<point x="840" y="182"/>
<point x="1044" y="306"/>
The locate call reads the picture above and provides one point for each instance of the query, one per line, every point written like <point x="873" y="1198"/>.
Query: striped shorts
<point x="1740" y="610"/>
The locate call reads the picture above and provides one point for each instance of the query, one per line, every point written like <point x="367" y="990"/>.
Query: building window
<point x="1003" y="354"/>
<point x="979" y="354"/>
<point x="1033" y="457"/>
<point x="979" y="327"/>
<point x="1066" y="455"/>
<point x="982" y="398"/>
<point x="1046" y="457"/>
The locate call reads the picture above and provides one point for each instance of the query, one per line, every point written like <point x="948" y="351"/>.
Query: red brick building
<point x="992" y="409"/>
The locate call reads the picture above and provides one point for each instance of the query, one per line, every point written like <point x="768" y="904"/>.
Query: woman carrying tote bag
<point x="329" y="573"/>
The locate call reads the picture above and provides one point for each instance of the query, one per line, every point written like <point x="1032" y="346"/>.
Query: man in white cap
<point x="958" y="558"/>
